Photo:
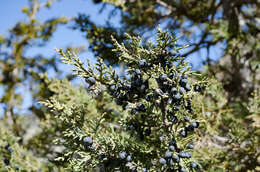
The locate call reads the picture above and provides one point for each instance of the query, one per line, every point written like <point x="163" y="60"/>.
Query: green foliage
<point x="76" y="113"/>
<point x="142" y="127"/>
<point x="130" y="121"/>
<point x="230" y="139"/>
<point x="14" y="157"/>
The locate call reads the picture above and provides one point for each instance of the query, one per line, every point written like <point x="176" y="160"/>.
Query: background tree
<point x="21" y="71"/>
<point x="18" y="70"/>
<point x="204" y="25"/>
<point x="229" y="139"/>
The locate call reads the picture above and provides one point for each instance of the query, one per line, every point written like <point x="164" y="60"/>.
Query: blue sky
<point x="10" y="14"/>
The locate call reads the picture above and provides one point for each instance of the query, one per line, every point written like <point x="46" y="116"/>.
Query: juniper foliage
<point x="14" y="157"/>
<point x="154" y="99"/>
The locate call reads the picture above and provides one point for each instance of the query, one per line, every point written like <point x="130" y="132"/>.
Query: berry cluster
<point x="88" y="143"/>
<point x="7" y="156"/>
<point x="173" y="156"/>
<point x="124" y="156"/>
<point x="9" y="151"/>
<point x="91" y="81"/>
<point x="8" y="148"/>
<point x="125" y="91"/>
<point x="158" y="98"/>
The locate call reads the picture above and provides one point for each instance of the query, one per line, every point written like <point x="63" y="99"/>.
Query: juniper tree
<point x="145" y="120"/>
<point x="154" y="128"/>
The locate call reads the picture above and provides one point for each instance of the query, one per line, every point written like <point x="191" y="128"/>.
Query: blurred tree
<point x="21" y="71"/>
<point x="233" y="24"/>
<point x="230" y="136"/>
<point x="14" y="157"/>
